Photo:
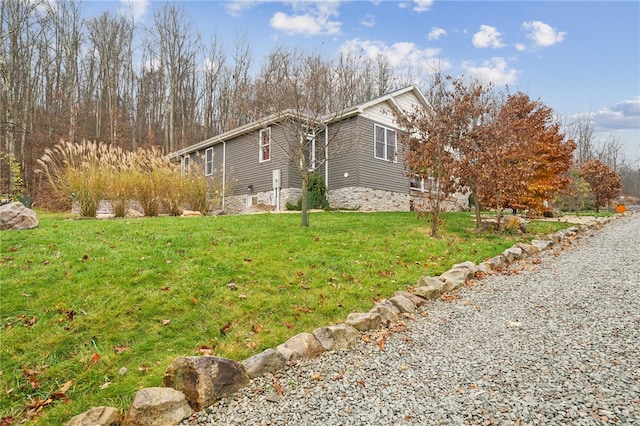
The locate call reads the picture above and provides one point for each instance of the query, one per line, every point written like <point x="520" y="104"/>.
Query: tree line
<point x="110" y="80"/>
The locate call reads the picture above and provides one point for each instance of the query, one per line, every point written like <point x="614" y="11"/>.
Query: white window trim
<point x="386" y="144"/>
<point x="261" y="145"/>
<point x="208" y="162"/>
<point x="185" y="163"/>
<point x="425" y="185"/>
<point x="311" y="138"/>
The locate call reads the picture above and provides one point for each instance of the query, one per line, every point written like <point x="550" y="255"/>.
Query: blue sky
<point x="578" y="57"/>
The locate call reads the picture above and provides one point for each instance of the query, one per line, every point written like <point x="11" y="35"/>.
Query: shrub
<point x="317" y="193"/>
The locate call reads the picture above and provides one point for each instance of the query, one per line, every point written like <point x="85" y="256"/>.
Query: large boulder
<point x="157" y="407"/>
<point x="205" y="379"/>
<point x="17" y="216"/>
<point x="98" y="416"/>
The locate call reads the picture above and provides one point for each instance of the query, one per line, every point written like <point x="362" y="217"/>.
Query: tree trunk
<point x="304" y="221"/>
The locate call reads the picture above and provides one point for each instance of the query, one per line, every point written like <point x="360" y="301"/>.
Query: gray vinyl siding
<point x="375" y="173"/>
<point x="364" y="170"/>
<point x="344" y="155"/>
<point x="198" y="161"/>
<point x="244" y="167"/>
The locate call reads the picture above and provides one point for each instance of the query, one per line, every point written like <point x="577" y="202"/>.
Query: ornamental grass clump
<point x="79" y="171"/>
<point x="90" y="172"/>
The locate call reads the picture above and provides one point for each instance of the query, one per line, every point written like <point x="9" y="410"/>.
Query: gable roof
<point x="389" y="98"/>
<point x="264" y="122"/>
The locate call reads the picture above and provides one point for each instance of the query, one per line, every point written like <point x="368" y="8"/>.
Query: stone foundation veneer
<point x="367" y="200"/>
<point x="239" y="203"/>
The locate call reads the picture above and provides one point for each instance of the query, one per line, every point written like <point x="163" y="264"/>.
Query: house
<point x="356" y="150"/>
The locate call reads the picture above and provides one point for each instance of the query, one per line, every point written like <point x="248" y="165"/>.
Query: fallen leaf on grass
<point x="166" y="322"/>
<point x="94" y="358"/>
<point x="194" y="300"/>
<point x="226" y="328"/>
<point x="105" y="385"/>
<point x="121" y="349"/>
<point x="31" y="375"/>
<point x="6" y="421"/>
<point x="165" y="288"/>
<point x="34" y="382"/>
<point x="256" y="328"/>
<point x="206" y="350"/>
<point x="288" y="324"/>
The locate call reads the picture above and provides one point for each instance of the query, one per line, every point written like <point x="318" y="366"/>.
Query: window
<point x="208" y="162"/>
<point x="385" y="144"/>
<point x="265" y="144"/>
<point x="310" y="152"/>
<point x="428" y="184"/>
<point x="186" y="164"/>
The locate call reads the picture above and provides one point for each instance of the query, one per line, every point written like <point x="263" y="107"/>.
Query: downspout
<point x="224" y="173"/>
<point x="326" y="156"/>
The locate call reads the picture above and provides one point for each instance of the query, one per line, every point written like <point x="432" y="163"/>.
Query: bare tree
<point x="109" y="61"/>
<point x="431" y="142"/>
<point x="581" y="130"/>
<point x="212" y="69"/>
<point x="302" y="91"/>
<point x="175" y="48"/>
<point x="235" y="101"/>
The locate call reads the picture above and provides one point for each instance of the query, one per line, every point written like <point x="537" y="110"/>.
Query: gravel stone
<point x="553" y="341"/>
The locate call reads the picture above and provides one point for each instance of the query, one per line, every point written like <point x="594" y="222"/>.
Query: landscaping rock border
<point x="194" y="383"/>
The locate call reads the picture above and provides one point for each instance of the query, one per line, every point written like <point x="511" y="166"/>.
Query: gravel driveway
<point x="556" y="340"/>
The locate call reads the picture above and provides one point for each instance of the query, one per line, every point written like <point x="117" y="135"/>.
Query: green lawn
<point x="81" y="299"/>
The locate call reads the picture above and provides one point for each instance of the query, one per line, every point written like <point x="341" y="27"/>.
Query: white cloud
<point x="624" y="115"/>
<point x="303" y="24"/>
<point x="521" y="47"/>
<point x="237" y="7"/>
<point x="310" y="18"/>
<point x="436" y="33"/>
<point x="422" y="5"/>
<point x="402" y="55"/>
<point x="542" y="35"/>
<point x="494" y="70"/>
<point x="368" y="21"/>
<point x="488" y="36"/>
<point x="136" y="9"/>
